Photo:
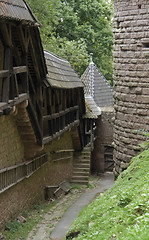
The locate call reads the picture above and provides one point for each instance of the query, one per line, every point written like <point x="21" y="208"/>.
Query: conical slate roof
<point x="97" y="86"/>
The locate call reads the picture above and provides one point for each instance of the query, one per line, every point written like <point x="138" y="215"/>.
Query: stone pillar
<point x="131" y="78"/>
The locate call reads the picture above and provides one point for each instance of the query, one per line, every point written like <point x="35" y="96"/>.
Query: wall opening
<point x="145" y="44"/>
<point x="108" y="158"/>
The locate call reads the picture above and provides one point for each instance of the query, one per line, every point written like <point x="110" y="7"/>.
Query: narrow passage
<point x="57" y="221"/>
<point x="71" y="214"/>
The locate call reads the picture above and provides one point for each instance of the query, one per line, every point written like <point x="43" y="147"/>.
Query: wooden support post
<point x="6" y="34"/>
<point x="6" y="81"/>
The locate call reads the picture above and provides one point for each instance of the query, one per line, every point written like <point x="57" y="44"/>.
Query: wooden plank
<point x="62" y="158"/>
<point x="6" y="81"/>
<point x="21" y="98"/>
<point x="65" y="186"/>
<point x="59" y="192"/>
<point x="36" y="97"/>
<point x="61" y="132"/>
<point x="3" y="105"/>
<point x="6" y="34"/>
<point x="11" y="185"/>
<point x="11" y="167"/>
<point x="35" y="122"/>
<point x="61" y="113"/>
<point x="4" y="73"/>
<point x="65" y="150"/>
<point x="19" y="69"/>
<point x="47" y="139"/>
<point x="34" y="55"/>
<point x="50" y="117"/>
<point x="24" y="38"/>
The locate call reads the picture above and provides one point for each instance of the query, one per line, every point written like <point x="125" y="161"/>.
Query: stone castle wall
<point x="131" y="78"/>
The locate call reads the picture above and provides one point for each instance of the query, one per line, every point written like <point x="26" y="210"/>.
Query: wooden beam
<point x="34" y="94"/>
<point x="61" y="132"/>
<point x="24" y="35"/>
<point x="4" y="73"/>
<point x="20" y="69"/>
<point x="6" y="34"/>
<point x="61" y="113"/>
<point x="6" y="81"/>
<point x="35" y="122"/>
<point x="34" y="57"/>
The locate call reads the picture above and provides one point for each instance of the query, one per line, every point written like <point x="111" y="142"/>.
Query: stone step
<point x="86" y="153"/>
<point x="81" y="165"/>
<point x="80" y="178"/>
<point x="83" y="153"/>
<point x="81" y="169"/>
<point x="76" y="173"/>
<point x="80" y="182"/>
<point x="82" y="161"/>
<point x="83" y="157"/>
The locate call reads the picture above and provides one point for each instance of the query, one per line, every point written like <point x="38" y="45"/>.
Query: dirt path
<point x="43" y="229"/>
<point x="52" y="219"/>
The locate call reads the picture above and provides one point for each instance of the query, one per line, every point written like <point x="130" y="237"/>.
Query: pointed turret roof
<point x="97" y="86"/>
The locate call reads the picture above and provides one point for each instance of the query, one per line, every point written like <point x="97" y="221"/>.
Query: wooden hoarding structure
<point x="42" y="98"/>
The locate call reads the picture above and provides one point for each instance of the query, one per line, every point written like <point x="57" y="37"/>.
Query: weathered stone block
<point x="131" y="78"/>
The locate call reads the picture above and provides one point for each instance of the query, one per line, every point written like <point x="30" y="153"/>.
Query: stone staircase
<point x="81" y="167"/>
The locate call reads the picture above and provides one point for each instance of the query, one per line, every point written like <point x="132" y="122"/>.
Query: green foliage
<point x="76" y="186"/>
<point x="46" y="13"/>
<point x="144" y="145"/>
<point x="13" y="226"/>
<point x="122" y="212"/>
<point x="16" y="230"/>
<point x="76" y="54"/>
<point x="74" y="29"/>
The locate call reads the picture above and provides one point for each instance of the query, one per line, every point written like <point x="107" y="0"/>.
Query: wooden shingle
<point x="17" y="10"/>
<point x="60" y="73"/>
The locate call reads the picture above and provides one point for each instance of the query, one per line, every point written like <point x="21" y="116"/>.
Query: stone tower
<point x="131" y="78"/>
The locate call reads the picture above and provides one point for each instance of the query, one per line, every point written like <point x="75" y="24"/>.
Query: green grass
<point x="19" y="231"/>
<point x="76" y="186"/>
<point x="122" y="212"/>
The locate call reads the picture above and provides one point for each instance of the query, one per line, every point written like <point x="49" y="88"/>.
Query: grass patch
<point x="122" y="212"/>
<point x="76" y="186"/>
<point x="16" y="230"/>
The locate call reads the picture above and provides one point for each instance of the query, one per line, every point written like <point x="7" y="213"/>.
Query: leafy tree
<point x="76" y="54"/>
<point x="46" y="13"/>
<point x="92" y="22"/>
<point x="75" y="28"/>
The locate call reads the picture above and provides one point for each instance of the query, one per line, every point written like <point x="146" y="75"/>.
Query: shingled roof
<point x="60" y="72"/>
<point x="97" y="86"/>
<point x="17" y="10"/>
